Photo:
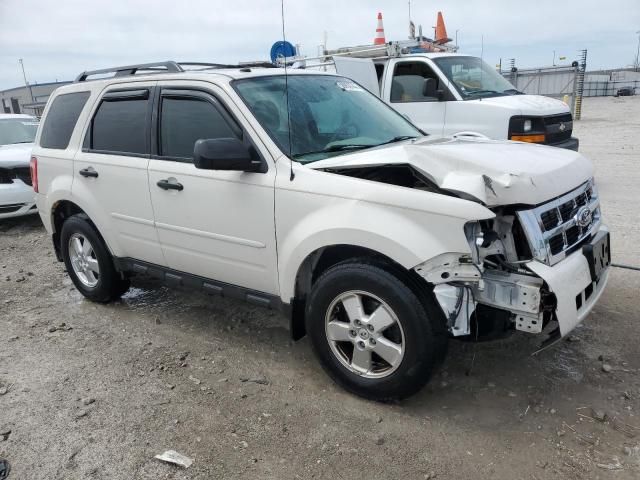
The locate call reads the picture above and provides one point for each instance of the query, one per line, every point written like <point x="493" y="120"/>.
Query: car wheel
<point x="89" y="262"/>
<point x="372" y="334"/>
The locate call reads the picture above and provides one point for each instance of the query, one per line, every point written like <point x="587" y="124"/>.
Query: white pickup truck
<point x="303" y="192"/>
<point x="452" y="94"/>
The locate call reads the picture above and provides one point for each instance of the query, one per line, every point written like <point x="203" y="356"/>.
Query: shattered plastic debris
<point x="171" y="456"/>
<point x="616" y="465"/>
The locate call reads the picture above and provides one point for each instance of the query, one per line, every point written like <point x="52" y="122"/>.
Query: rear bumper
<point x="16" y="199"/>
<point x="572" y="144"/>
<point x="569" y="279"/>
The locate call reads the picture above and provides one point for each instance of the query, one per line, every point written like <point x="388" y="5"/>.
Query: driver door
<point x="214" y="224"/>
<point x="405" y="89"/>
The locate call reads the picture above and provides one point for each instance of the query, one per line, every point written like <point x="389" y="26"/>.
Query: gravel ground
<point x="94" y="392"/>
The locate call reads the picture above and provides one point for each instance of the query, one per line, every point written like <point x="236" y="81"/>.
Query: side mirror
<point x="226" y="154"/>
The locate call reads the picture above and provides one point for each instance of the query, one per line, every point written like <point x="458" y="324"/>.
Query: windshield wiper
<point x="397" y="139"/>
<point x="480" y="92"/>
<point x="24" y="141"/>
<point x="513" y="91"/>
<point x="335" y="148"/>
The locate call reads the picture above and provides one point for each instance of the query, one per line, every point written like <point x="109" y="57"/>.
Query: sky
<point x="57" y="39"/>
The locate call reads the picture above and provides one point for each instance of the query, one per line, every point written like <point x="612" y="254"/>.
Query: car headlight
<point x="527" y="129"/>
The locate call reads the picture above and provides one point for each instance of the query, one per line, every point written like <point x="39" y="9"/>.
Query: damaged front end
<point x="527" y="268"/>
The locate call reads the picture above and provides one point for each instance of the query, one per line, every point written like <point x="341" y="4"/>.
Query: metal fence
<point x="556" y="82"/>
<point x="607" y="88"/>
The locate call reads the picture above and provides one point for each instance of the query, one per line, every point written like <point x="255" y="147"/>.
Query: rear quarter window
<point x="61" y="119"/>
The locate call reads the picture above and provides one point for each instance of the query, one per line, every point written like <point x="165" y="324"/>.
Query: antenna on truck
<point x="286" y="92"/>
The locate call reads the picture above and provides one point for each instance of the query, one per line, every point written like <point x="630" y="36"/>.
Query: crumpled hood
<point x="17" y="155"/>
<point x="494" y="172"/>
<point x="534" y="105"/>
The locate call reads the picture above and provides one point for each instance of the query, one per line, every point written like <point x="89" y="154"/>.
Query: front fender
<point x="308" y="221"/>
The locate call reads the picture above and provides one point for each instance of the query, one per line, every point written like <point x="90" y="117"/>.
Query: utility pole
<point x="457" y="30"/>
<point x="26" y="84"/>
<point x="637" y="65"/>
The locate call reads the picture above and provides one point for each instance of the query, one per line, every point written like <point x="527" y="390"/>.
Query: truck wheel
<point x="371" y="332"/>
<point x="89" y="262"/>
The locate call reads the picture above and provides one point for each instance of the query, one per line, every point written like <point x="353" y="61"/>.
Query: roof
<point x="217" y="75"/>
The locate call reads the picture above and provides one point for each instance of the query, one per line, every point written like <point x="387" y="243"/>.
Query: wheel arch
<point x="60" y="211"/>
<point x="323" y="258"/>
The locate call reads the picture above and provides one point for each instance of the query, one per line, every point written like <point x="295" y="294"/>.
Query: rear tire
<point x="372" y="334"/>
<point x="89" y="262"/>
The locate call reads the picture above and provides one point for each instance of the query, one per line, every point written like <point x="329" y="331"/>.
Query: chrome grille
<point x="554" y="229"/>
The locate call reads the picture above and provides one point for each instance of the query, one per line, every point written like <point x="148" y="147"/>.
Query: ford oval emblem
<point x="583" y="217"/>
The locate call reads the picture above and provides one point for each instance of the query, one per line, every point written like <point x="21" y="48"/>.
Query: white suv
<point x="306" y="193"/>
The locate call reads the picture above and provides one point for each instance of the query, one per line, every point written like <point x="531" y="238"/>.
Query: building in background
<point x="30" y="100"/>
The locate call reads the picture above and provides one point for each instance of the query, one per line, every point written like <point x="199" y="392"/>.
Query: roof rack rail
<point x="205" y="65"/>
<point x="165" y="67"/>
<point x="156" y="67"/>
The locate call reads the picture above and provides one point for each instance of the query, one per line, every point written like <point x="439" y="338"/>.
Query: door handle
<point x="88" y="172"/>
<point x="165" y="184"/>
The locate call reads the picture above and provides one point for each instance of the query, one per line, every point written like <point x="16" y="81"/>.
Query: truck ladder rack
<point x="388" y="50"/>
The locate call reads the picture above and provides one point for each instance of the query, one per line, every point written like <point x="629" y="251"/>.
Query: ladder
<point x="387" y="50"/>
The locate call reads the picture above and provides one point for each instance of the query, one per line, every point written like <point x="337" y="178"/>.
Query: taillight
<point x="34" y="173"/>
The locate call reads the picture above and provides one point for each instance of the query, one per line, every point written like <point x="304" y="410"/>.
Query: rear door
<point x="216" y="224"/>
<point x="111" y="171"/>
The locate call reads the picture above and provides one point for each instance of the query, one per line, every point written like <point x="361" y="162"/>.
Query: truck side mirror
<point x="226" y="154"/>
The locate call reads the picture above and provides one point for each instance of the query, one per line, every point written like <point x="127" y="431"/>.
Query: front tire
<point x="89" y="262"/>
<point x="372" y="333"/>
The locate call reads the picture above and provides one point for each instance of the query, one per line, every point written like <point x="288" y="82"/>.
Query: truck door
<point x="362" y="70"/>
<point x="413" y="88"/>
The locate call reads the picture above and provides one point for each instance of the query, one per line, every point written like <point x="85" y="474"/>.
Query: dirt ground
<point x="94" y="392"/>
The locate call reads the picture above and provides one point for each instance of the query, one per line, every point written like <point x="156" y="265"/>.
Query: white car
<point x="308" y="194"/>
<point x="17" y="133"/>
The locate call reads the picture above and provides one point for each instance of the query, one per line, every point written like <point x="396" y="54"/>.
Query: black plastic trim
<point x="176" y="278"/>
<point x="572" y="144"/>
<point x="116" y="95"/>
<point x="157" y="67"/>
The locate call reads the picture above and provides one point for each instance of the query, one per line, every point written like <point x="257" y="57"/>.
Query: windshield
<point x="329" y="115"/>
<point x="17" y="130"/>
<point x="473" y="78"/>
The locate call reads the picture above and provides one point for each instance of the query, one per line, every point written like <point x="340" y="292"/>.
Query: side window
<point x="120" y="123"/>
<point x="184" y="120"/>
<point x="414" y="82"/>
<point x="61" y="120"/>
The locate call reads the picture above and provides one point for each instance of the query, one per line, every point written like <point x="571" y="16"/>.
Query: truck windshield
<point x="473" y="78"/>
<point x="17" y="130"/>
<point x="327" y="115"/>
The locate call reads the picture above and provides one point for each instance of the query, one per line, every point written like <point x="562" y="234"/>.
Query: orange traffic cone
<point x="379" y="39"/>
<point x="441" y="31"/>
